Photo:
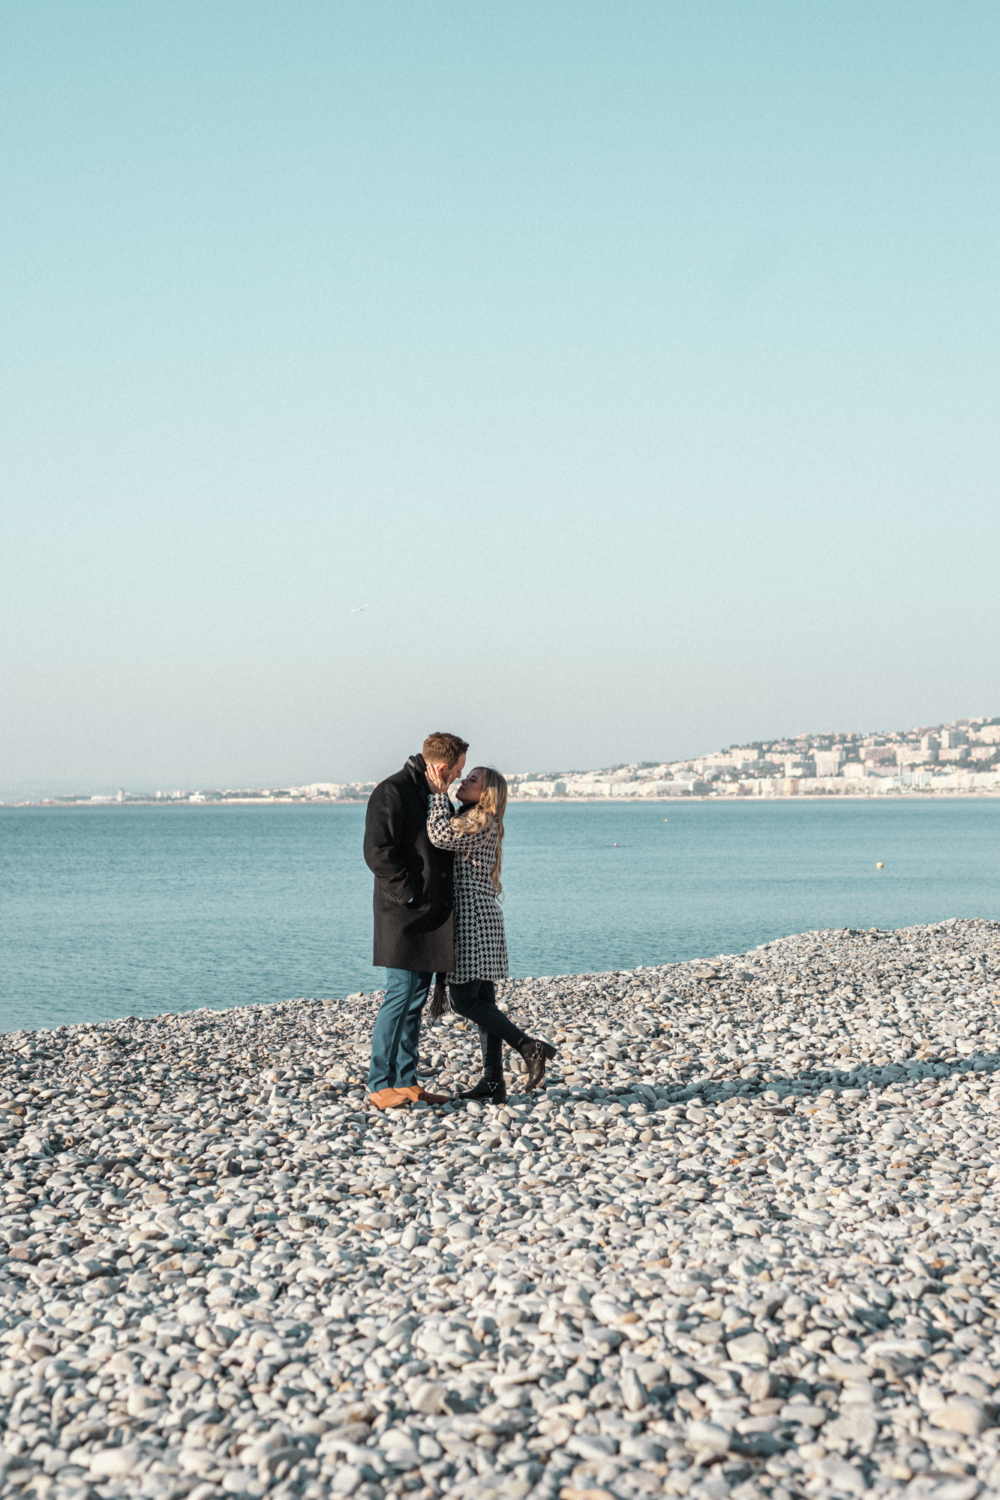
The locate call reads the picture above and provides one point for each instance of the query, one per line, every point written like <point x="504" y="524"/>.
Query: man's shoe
<point x="493" y="1092"/>
<point x="420" y="1096"/>
<point x="536" y="1054"/>
<point x="390" y="1098"/>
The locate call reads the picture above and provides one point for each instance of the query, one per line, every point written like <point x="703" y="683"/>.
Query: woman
<point x="476" y="838"/>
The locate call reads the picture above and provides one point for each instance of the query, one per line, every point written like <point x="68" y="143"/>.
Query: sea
<point x="117" y="911"/>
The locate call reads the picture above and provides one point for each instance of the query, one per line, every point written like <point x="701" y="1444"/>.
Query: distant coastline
<point x="880" y="795"/>
<point x="960" y="759"/>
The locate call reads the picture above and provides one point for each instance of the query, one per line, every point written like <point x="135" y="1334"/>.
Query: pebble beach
<point x="744" y="1243"/>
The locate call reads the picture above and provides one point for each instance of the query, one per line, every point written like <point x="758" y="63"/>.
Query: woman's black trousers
<point x="476" y="1001"/>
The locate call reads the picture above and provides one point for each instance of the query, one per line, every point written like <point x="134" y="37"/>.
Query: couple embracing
<point x="437" y="911"/>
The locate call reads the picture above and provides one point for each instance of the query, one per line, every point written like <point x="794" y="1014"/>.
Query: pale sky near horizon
<point x="636" y="364"/>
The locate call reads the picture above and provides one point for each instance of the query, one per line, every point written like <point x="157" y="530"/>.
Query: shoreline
<point x="917" y="795"/>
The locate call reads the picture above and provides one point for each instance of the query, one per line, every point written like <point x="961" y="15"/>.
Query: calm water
<point x="133" y="911"/>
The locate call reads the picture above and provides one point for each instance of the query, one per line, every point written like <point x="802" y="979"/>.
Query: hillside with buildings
<point x="961" y="757"/>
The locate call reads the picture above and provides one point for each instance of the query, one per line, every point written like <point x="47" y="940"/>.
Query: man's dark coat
<point x="414" y="882"/>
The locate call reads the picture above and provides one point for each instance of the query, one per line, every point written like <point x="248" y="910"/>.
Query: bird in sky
<point x="357" y="609"/>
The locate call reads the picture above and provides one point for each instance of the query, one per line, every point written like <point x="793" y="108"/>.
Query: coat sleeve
<point x="441" y="833"/>
<point x="384" y="823"/>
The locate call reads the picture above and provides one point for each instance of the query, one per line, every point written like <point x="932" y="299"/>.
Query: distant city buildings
<point x="317" y="791"/>
<point x="962" y="757"/>
<point x="959" y="757"/>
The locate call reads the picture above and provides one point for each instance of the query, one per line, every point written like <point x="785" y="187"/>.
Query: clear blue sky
<point x="637" y="364"/>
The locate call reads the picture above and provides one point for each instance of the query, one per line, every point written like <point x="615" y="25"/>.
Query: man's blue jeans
<point x="396" y="1037"/>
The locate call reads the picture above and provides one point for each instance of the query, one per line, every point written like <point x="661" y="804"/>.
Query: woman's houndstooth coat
<point x="480" y="943"/>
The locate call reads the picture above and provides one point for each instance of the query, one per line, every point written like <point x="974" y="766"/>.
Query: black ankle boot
<point x="536" y="1054"/>
<point x="493" y="1091"/>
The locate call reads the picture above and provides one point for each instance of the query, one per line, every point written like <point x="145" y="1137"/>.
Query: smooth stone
<point x="113" y="1463"/>
<point x="961" y="1414"/>
<point x="707" y="1437"/>
<point x="750" y="1348"/>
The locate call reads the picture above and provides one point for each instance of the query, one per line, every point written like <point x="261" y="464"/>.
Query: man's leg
<point x="396" y="1035"/>
<point x="408" y="1046"/>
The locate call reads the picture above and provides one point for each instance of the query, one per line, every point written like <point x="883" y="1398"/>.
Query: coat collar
<point x="417" y="766"/>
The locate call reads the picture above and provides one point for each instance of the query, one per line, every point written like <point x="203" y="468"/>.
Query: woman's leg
<point x="462" y="997"/>
<point x="476" y="1002"/>
<point x="464" y="1002"/>
<point x="492" y="1049"/>
<point x="491" y="1019"/>
<point x="490" y="1044"/>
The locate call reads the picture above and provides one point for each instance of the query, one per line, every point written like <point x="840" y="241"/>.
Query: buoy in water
<point x="880" y="866"/>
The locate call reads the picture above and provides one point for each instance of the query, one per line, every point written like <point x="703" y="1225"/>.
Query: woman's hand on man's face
<point x="438" y="779"/>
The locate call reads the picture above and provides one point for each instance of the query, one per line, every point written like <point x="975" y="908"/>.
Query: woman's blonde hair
<point x="488" y="810"/>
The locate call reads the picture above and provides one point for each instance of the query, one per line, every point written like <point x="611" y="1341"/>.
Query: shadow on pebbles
<point x="745" y="1242"/>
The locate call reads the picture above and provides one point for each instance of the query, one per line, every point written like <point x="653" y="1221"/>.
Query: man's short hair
<point x="444" y="747"/>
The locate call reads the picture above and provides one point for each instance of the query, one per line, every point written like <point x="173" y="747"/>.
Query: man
<point x="414" y="915"/>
